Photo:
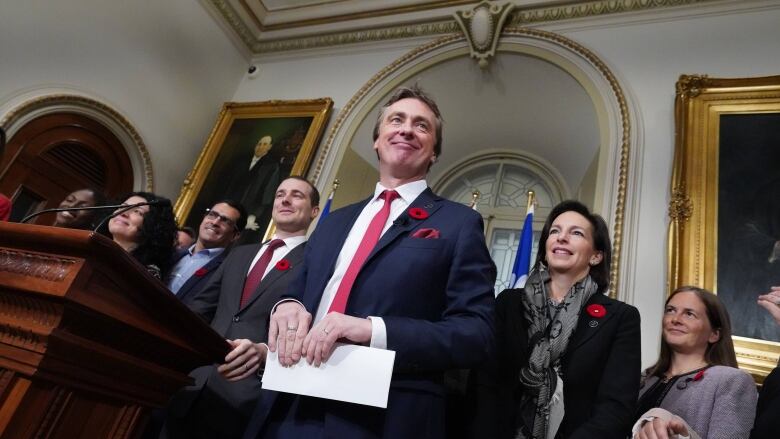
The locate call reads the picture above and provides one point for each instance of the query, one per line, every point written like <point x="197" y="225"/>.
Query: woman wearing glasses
<point x="146" y="232"/>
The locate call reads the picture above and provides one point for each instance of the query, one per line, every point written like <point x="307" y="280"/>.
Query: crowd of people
<point x="409" y="271"/>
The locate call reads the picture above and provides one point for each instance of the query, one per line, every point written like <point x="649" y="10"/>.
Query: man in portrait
<point x="254" y="183"/>
<point x="404" y="270"/>
<point x="748" y="219"/>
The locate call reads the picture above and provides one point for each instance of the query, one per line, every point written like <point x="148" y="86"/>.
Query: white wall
<point x="164" y="65"/>
<point x="649" y="58"/>
<point x="646" y="56"/>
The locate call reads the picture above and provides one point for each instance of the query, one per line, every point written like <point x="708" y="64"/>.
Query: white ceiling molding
<point x="482" y="26"/>
<point x="291" y="25"/>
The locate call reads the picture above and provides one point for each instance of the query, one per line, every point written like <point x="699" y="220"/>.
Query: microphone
<point x="124" y="208"/>
<point x="73" y="209"/>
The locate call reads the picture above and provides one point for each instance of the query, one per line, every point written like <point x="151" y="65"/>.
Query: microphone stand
<point x="124" y="208"/>
<point x="70" y="209"/>
<point x="121" y="207"/>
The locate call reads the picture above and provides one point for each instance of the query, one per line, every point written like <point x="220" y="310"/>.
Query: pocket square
<point x="426" y="234"/>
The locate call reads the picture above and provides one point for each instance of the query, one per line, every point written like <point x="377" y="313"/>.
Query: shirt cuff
<point x="378" y="333"/>
<point x="273" y="310"/>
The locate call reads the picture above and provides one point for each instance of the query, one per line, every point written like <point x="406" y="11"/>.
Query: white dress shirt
<point x="407" y="193"/>
<point x="280" y="252"/>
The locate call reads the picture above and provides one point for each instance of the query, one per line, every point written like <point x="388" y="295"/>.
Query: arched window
<point x="503" y="182"/>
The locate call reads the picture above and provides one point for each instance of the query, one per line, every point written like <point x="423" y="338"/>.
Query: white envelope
<point x="353" y="373"/>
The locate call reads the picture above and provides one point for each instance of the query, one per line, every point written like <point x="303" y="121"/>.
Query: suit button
<point x="236" y="319"/>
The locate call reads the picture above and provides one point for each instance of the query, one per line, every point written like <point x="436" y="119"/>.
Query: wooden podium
<point x="88" y="339"/>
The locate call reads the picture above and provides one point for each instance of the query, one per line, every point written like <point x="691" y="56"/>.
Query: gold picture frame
<point x="727" y="134"/>
<point x="227" y="169"/>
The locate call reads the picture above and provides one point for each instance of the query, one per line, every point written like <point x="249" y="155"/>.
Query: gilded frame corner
<point x="700" y="103"/>
<point x="317" y="109"/>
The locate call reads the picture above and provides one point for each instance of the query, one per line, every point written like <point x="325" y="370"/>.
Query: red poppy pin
<point x="200" y="272"/>
<point x="596" y="310"/>
<point x="417" y="213"/>
<point x="699" y="375"/>
<point x="283" y="264"/>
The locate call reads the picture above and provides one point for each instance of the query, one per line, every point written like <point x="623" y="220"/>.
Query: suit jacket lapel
<point x="335" y="235"/>
<point x="427" y="200"/>
<point x="294" y="256"/>
<point x="193" y="281"/>
<point x="239" y="278"/>
<point x="587" y="325"/>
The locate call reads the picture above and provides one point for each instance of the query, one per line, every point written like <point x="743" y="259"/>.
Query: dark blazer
<point x="214" y="405"/>
<point x="195" y="283"/>
<point x="767" y="420"/>
<point x="601" y="372"/>
<point x="436" y="299"/>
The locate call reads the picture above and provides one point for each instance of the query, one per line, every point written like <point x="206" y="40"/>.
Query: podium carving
<point x="88" y="339"/>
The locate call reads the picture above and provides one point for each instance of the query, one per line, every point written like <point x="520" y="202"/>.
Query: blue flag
<point x="326" y="209"/>
<point x="523" y="258"/>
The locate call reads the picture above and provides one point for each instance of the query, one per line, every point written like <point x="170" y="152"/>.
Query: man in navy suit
<point x="404" y="270"/>
<point x="237" y="302"/>
<point x="220" y="227"/>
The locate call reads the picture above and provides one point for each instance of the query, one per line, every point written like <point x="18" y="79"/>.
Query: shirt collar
<point x="209" y="251"/>
<point x="408" y="192"/>
<point x="292" y="241"/>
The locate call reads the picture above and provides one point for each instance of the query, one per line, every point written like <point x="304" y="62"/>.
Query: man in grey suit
<point x="237" y="302"/>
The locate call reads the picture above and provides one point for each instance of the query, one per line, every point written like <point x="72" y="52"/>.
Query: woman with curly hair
<point x="146" y="232"/>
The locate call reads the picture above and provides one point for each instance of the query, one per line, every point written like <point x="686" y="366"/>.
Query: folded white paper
<point x="353" y="373"/>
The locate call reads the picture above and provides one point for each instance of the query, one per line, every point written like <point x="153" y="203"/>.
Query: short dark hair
<point x="188" y="230"/>
<point x="413" y="92"/>
<point x="314" y="195"/>
<point x="242" y="215"/>
<point x="99" y="199"/>
<point x="720" y="353"/>
<point x="601" y="242"/>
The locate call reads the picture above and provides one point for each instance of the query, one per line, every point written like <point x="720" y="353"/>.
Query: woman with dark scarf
<point x="567" y="361"/>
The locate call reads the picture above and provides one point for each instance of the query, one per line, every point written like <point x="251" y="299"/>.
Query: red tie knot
<point x="388" y="195"/>
<point x="274" y="244"/>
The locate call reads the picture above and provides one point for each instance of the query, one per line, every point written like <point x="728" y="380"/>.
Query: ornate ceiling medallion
<point x="482" y="27"/>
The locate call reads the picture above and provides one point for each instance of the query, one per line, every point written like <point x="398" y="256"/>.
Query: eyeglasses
<point x="212" y="215"/>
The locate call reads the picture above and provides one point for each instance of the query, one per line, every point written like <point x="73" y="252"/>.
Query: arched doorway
<point x="503" y="181"/>
<point x="57" y="153"/>
<point x="544" y="94"/>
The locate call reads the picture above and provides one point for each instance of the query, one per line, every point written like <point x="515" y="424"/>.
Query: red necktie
<point x="256" y="274"/>
<point x="368" y="243"/>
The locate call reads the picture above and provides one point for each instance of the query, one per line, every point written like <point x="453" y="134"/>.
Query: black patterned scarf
<point x="549" y="329"/>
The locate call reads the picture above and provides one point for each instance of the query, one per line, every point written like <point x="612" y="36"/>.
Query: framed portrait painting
<point x="252" y="148"/>
<point x="725" y="204"/>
